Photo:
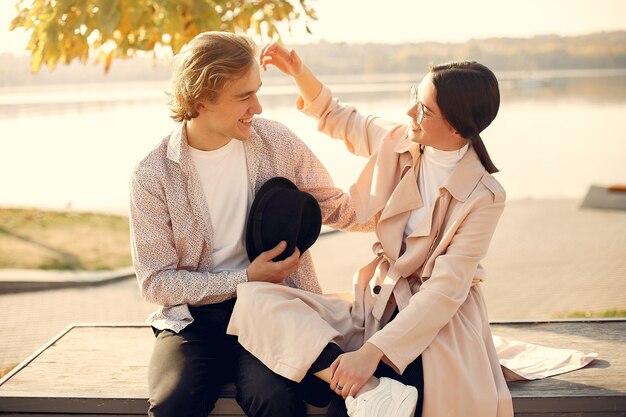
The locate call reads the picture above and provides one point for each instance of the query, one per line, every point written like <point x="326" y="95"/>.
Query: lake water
<point x="73" y="147"/>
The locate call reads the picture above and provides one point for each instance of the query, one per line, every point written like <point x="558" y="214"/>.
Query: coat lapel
<point x="405" y="197"/>
<point x="372" y="191"/>
<point x="403" y="200"/>
<point x="421" y="243"/>
<point x="466" y="176"/>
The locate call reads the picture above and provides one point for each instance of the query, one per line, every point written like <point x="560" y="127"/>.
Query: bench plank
<point x="89" y="370"/>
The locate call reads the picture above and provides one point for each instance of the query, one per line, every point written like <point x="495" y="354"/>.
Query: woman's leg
<point x="321" y="366"/>
<point x="413" y="375"/>
<point x="286" y="328"/>
<point x="321" y="370"/>
<point x="325" y="359"/>
<point x="291" y="331"/>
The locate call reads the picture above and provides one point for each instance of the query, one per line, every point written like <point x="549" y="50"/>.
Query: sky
<point x="397" y="21"/>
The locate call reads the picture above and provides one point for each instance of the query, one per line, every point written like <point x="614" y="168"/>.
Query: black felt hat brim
<point x="282" y="212"/>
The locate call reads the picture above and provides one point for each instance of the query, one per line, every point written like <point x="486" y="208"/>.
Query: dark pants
<point x="188" y="369"/>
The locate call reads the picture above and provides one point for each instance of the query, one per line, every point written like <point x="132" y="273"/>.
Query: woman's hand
<point x="285" y="60"/>
<point x="352" y="370"/>
<point x="290" y="63"/>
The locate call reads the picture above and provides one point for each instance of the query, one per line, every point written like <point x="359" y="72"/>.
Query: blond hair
<point x="204" y="67"/>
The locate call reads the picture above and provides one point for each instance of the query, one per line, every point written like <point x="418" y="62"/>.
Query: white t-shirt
<point x="223" y="174"/>
<point x="435" y="168"/>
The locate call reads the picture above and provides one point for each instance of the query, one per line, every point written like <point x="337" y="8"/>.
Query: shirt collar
<point x="178" y="143"/>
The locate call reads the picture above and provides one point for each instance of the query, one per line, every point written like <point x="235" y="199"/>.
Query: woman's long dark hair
<point x="469" y="98"/>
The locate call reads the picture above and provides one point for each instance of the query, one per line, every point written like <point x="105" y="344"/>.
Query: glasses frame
<point x="421" y="109"/>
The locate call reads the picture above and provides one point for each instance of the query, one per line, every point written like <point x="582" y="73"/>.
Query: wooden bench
<point x="96" y="370"/>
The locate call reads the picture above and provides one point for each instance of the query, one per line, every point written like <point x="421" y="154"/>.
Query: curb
<point x="23" y="280"/>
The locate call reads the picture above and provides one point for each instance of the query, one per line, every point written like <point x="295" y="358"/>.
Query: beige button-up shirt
<point x="171" y="233"/>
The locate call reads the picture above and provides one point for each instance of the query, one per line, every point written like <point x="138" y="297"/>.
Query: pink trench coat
<point x="434" y="279"/>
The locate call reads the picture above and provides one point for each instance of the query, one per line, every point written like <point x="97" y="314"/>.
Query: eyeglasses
<point x="421" y="109"/>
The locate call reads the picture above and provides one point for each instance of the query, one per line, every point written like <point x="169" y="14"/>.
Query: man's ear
<point x="200" y="107"/>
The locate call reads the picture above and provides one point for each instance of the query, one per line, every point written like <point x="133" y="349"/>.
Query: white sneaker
<point x="390" y="398"/>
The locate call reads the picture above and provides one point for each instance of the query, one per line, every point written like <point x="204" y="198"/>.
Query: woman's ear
<point x="456" y="134"/>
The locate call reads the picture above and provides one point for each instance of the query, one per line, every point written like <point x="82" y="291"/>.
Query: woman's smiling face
<point x="428" y="126"/>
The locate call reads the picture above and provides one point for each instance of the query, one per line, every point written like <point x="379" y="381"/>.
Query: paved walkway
<point x="547" y="258"/>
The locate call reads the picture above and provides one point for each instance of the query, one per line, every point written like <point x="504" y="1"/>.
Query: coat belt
<point x="392" y="283"/>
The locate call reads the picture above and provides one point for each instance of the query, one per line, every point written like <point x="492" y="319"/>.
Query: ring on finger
<point x="339" y="387"/>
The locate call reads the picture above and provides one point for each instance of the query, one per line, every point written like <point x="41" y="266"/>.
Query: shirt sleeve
<point x="360" y="133"/>
<point x="405" y="338"/>
<point x="337" y="207"/>
<point x="154" y="253"/>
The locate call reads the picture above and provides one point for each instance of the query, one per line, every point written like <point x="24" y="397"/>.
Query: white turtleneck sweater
<point x="435" y="168"/>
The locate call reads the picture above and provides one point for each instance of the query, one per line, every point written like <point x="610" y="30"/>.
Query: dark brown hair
<point x="469" y="98"/>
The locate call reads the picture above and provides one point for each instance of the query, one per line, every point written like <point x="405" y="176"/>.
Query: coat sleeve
<point x="154" y="253"/>
<point x="361" y="134"/>
<point x="405" y="338"/>
<point x="337" y="207"/>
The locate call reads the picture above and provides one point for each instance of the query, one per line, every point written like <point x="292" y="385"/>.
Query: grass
<point x="39" y="239"/>
<point x="613" y="312"/>
<point x="6" y="370"/>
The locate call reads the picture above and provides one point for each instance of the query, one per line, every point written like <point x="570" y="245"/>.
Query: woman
<point x="419" y="316"/>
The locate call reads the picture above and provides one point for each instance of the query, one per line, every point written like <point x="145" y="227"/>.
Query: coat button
<point x="377" y="289"/>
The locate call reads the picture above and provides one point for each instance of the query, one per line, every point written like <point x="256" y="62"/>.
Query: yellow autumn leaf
<point x="35" y="60"/>
<point x="107" y="62"/>
<point x="65" y="30"/>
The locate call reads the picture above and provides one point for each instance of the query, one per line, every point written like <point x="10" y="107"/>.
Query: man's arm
<point x="337" y="208"/>
<point x="157" y="264"/>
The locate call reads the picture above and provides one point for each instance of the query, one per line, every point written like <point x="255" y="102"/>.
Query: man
<point x="189" y="201"/>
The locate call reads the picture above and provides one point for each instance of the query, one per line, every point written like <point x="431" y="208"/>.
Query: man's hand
<point x="264" y="269"/>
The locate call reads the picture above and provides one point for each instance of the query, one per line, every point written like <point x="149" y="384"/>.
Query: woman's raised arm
<point x="289" y="62"/>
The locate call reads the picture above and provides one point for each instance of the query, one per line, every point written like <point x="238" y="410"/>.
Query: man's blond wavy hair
<point x="204" y="67"/>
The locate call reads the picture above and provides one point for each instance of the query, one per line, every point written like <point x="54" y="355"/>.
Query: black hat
<point x="282" y="212"/>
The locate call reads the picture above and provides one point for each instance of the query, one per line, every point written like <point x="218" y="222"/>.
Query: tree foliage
<point x="65" y="30"/>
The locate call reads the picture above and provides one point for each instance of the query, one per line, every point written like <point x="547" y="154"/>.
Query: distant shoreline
<point x="27" y="100"/>
<point x="539" y="53"/>
<point x="275" y="79"/>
